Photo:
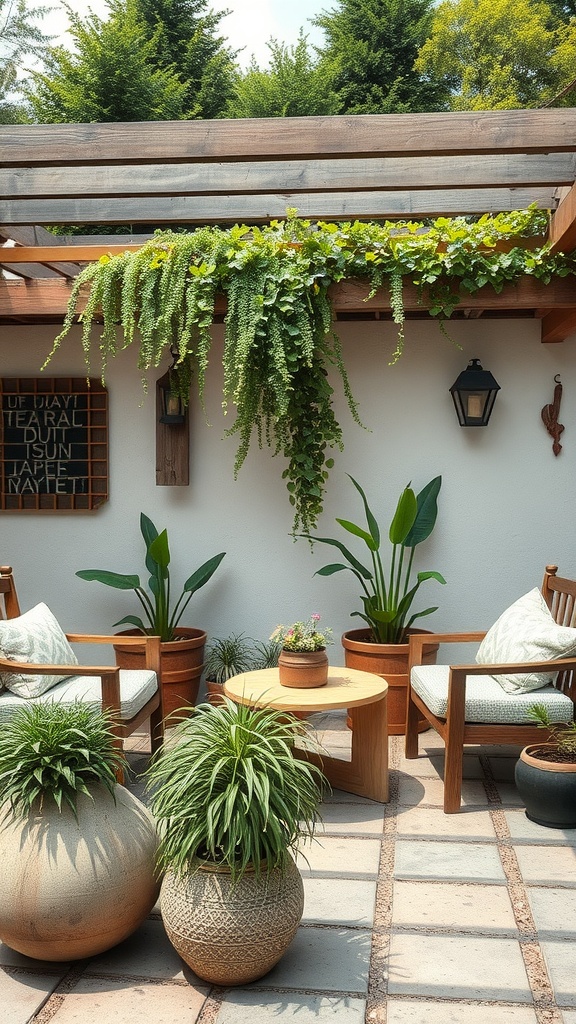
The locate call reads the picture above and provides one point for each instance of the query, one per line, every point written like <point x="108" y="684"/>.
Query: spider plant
<point x="229" y="790"/>
<point x="52" y="751"/>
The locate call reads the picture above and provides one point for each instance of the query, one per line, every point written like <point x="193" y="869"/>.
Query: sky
<point x="249" y="26"/>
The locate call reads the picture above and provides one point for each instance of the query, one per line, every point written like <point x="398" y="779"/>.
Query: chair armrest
<point x="418" y="641"/>
<point x="151" y="645"/>
<point x="516" y="668"/>
<point x="29" y="668"/>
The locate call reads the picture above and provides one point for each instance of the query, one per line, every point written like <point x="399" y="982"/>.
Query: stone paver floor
<point x="412" y="917"/>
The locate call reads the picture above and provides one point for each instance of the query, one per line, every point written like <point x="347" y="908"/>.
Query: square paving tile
<point x="559" y="958"/>
<point x="412" y="791"/>
<point x="433" y="766"/>
<point x="465" y="967"/>
<point x="543" y="865"/>
<point x="424" y="1012"/>
<point x="432" y="823"/>
<point x="503" y="768"/>
<point x="267" y="1008"/>
<point x="457" y="862"/>
<point x="331" y="855"/>
<point x="123" y="1002"/>
<point x="23" y="994"/>
<point x="509" y="795"/>
<point x="435" y="905"/>
<point x="146" y="954"/>
<point x="569" y="1016"/>
<point x="554" y="912"/>
<point x="352" y="819"/>
<point x="325" y="960"/>
<point x="522" y="828"/>
<point x="347" y="901"/>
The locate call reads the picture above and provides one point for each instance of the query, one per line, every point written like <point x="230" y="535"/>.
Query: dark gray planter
<point x="547" y="788"/>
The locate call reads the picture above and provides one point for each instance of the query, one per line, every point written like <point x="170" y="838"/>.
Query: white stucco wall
<point x="506" y="504"/>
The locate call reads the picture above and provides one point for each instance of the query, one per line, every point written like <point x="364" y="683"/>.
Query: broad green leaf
<point x="365" y="573"/>
<point x="357" y="531"/>
<point x="372" y="524"/>
<point x="133" y="620"/>
<point x="430" y="575"/>
<point x="427" y="512"/>
<point x="149" y="533"/>
<point x="160" y="552"/>
<point x="203" y="574"/>
<point x="404" y="517"/>
<point x="111" y="579"/>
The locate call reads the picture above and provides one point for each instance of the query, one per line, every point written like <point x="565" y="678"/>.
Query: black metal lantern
<point x="474" y="393"/>
<point x="173" y="410"/>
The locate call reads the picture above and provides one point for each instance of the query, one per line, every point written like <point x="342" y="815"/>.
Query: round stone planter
<point x="231" y="933"/>
<point x="71" y="888"/>
<point x="547" y="788"/>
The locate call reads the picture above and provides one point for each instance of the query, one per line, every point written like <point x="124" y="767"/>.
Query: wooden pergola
<point x="160" y="174"/>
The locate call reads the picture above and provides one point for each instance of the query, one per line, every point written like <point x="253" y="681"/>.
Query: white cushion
<point x="526" y="632"/>
<point x="137" y="686"/>
<point x="486" y="701"/>
<point x="35" y="637"/>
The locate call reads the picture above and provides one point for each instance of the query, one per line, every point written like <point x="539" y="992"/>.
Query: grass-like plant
<point x="228" y="656"/>
<point x="51" y="752"/>
<point x="229" y="790"/>
<point x="562" y="735"/>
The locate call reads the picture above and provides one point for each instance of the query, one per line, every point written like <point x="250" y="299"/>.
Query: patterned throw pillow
<point x="526" y="632"/>
<point x="35" y="637"/>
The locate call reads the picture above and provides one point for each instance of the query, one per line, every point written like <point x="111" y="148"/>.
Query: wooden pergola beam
<point x="506" y="131"/>
<point x="562" y="234"/>
<point x="558" y="325"/>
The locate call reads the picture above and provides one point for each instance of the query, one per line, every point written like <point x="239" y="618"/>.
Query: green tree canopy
<point x="111" y="76"/>
<point x="498" y="54"/>
<point x="20" y="38"/>
<point x="371" y="46"/>
<point x="293" y="86"/>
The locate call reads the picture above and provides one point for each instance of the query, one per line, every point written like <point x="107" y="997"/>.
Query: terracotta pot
<point x="72" y="888"/>
<point x="548" y="788"/>
<point x="391" y="662"/>
<point x="303" y="669"/>
<point x="181" y="666"/>
<point x="232" y="933"/>
<point x="214" y="692"/>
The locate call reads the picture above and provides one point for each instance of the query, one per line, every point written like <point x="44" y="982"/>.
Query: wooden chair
<point x="133" y="697"/>
<point x="455" y="710"/>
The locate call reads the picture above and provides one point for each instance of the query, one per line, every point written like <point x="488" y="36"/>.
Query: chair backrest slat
<point x="560" y="596"/>
<point x="9" y="607"/>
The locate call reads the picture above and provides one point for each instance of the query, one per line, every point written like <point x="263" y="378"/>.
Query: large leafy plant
<point x="229" y="790"/>
<point x="162" y="617"/>
<point x="279" y="342"/>
<point x="50" y="752"/>
<point x="388" y="596"/>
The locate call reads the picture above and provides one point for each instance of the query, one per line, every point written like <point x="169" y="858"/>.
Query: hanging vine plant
<point x="279" y="342"/>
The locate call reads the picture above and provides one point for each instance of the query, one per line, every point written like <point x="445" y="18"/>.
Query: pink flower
<point x="315" y="617"/>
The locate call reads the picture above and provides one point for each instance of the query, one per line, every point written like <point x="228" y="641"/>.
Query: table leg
<point x="366" y="774"/>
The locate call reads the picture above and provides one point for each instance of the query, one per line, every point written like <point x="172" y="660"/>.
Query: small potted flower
<point x="303" y="661"/>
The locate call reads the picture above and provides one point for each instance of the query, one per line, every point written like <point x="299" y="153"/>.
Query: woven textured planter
<point x="74" y="888"/>
<point x="304" y="670"/>
<point x="548" y="788"/>
<point x="232" y="933"/>
<point x="181" y="666"/>
<point x="391" y="662"/>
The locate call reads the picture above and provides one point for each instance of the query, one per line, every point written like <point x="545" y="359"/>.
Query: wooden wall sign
<point x="53" y="444"/>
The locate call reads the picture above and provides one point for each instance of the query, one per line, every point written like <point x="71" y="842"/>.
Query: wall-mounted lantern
<point x="172" y="406"/>
<point x="172" y="432"/>
<point x="474" y="393"/>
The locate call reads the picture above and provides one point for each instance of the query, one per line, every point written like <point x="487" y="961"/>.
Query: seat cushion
<point x="36" y="637"/>
<point x="137" y="687"/>
<point x="486" y="701"/>
<point x="526" y="631"/>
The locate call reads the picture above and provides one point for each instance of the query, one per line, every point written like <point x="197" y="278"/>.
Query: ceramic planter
<point x="181" y="660"/>
<point x="232" y="933"/>
<point x="303" y="669"/>
<point x="71" y="888"/>
<point x="391" y="662"/>
<point x="548" y="788"/>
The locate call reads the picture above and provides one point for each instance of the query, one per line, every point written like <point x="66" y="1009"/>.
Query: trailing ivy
<point x="279" y="342"/>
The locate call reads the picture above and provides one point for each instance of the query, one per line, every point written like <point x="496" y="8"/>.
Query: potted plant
<point x="388" y="595"/>
<point x="230" y="655"/>
<point x="182" y="648"/>
<point x="77" y="849"/>
<point x="303" y="661"/>
<point x="232" y="805"/>
<point x="546" y="773"/>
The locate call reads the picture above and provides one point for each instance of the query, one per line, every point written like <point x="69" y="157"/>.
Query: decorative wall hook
<point x="550" y="414"/>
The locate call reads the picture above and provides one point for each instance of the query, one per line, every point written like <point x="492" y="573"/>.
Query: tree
<point x="19" y="38"/>
<point x="187" y="40"/>
<point x="370" y="52"/>
<point x="112" y="75"/>
<point x="293" y="86"/>
<point x="498" y="54"/>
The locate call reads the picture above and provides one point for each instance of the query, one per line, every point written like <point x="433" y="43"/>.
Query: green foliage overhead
<point x="293" y="86"/>
<point x="51" y="751"/>
<point x="279" y="342"/>
<point x="20" y="39"/>
<point x="229" y="790"/>
<point x="161" y="613"/>
<point x="371" y="46"/>
<point x="498" y="54"/>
